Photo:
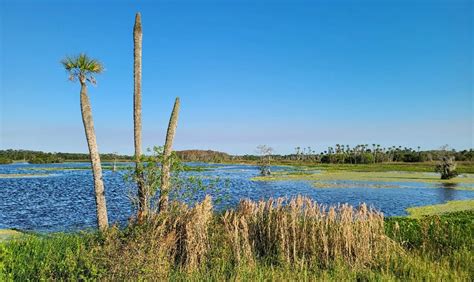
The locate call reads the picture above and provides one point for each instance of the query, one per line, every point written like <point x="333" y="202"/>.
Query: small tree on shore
<point x="447" y="165"/>
<point x="265" y="153"/>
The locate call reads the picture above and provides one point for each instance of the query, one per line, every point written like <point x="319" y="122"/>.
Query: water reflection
<point x="449" y="185"/>
<point x="446" y="192"/>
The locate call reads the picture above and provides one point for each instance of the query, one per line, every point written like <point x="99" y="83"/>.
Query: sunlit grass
<point x="450" y="206"/>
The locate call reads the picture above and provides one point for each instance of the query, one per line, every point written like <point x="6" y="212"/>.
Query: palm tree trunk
<point x="166" y="165"/>
<point x="86" y="112"/>
<point x="137" y="116"/>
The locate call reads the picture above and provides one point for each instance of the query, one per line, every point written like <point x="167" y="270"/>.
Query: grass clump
<point x="302" y="233"/>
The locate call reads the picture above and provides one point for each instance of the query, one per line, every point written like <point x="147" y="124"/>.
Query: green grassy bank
<point x="449" y="207"/>
<point x="297" y="242"/>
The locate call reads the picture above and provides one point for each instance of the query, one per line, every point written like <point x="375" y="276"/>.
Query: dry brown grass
<point x="193" y="234"/>
<point x="299" y="232"/>
<point x="149" y="250"/>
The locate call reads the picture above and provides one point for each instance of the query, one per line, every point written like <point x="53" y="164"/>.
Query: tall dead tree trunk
<point x="166" y="164"/>
<point x="137" y="116"/>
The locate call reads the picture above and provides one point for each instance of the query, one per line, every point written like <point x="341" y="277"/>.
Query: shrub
<point x="447" y="168"/>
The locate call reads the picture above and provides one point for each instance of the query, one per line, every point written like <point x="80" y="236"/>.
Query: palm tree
<point x="83" y="68"/>
<point x="166" y="163"/>
<point x="137" y="115"/>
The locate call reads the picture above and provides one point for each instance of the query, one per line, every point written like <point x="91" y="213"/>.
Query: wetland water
<point x="57" y="197"/>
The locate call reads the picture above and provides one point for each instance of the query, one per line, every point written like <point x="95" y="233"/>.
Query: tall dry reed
<point x="177" y="238"/>
<point x="299" y="232"/>
<point x="296" y="232"/>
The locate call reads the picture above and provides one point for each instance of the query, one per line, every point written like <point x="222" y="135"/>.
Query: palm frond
<point x="82" y="66"/>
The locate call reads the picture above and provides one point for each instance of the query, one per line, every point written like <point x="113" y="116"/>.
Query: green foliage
<point x="436" y="235"/>
<point x="203" y="156"/>
<point x="82" y="67"/>
<point x="48" y="159"/>
<point x="56" y="257"/>
<point x="186" y="189"/>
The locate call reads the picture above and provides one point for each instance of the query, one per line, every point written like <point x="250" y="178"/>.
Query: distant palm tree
<point x="83" y="68"/>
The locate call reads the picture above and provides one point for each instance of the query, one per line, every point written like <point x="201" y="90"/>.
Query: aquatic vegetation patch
<point x="450" y="206"/>
<point x="105" y="167"/>
<point x="462" y="167"/>
<point x="354" y="184"/>
<point x="388" y="185"/>
<point x="23" y="175"/>
<point x="198" y="168"/>
<point x="118" y="167"/>
<point x="393" y="176"/>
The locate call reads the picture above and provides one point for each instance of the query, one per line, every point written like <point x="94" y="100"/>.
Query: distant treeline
<point x="365" y="154"/>
<point x="339" y="154"/>
<point x="38" y="157"/>
<point x="203" y="156"/>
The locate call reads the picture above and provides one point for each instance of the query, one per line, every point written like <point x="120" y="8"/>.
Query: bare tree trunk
<point x="166" y="165"/>
<point x="86" y="111"/>
<point x="137" y="115"/>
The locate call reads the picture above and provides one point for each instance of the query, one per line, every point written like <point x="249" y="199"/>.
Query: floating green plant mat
<point x="23" y="175"/>
<point x="393" y="176"/>
<point x="450" y="206"/>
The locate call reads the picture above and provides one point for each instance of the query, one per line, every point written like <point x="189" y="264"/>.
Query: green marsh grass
<point x="269" y="240"/>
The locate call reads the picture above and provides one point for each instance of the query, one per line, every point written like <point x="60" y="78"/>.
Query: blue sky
<point x="280" y="73"/>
